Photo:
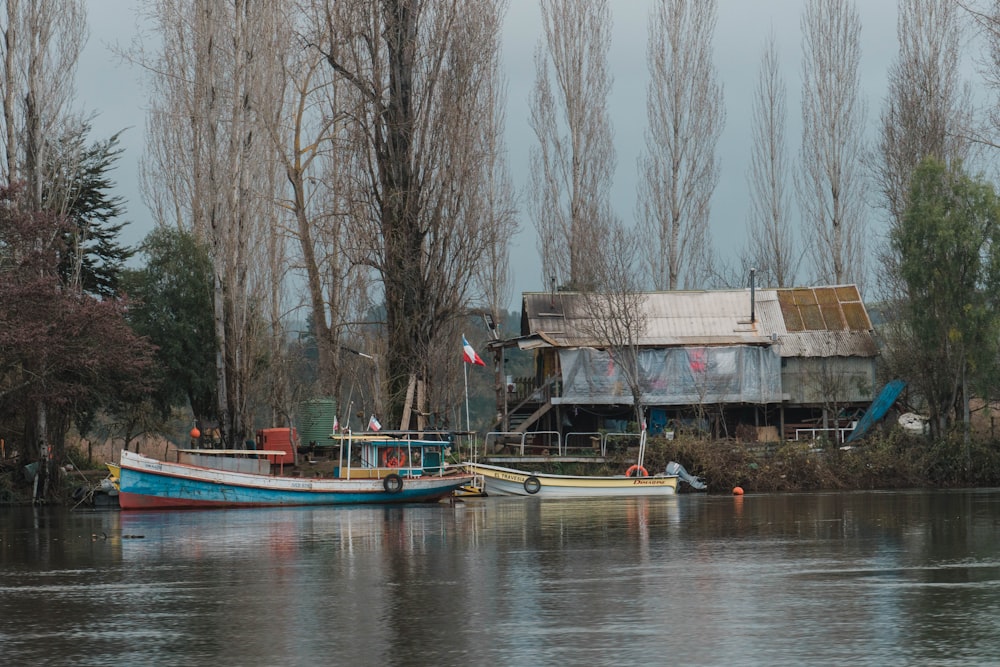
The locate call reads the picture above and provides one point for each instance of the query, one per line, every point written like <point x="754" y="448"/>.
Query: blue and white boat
<point x="390" y="471"/>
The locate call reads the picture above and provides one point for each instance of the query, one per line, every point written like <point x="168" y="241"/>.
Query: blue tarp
<point x="878" y="408"/>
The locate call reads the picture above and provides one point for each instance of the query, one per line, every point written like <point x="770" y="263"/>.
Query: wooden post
<point x="404" y="423"/>
<point x="421" y="406"/>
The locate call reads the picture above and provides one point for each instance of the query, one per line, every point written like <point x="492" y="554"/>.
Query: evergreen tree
<point x="94" y="258"/>
<point x="173" y="308"/>
<point x="947" y="264"/>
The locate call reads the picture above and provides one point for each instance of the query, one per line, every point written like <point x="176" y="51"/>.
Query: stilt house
<point x="751" y="364"/>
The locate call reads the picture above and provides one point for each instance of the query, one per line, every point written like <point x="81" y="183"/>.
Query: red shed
<point x="284" y="439"/>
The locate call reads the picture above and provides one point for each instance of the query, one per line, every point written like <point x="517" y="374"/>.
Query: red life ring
<point x="636" y="471"/>
<point x="393" y="457"/>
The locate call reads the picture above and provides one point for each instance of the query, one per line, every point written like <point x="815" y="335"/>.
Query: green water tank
<point x="315" y="422"/>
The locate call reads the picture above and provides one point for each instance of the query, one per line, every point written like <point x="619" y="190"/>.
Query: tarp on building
<point x="674" y="376"/>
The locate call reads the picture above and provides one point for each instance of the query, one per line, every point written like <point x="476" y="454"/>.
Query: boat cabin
<point x="402" y="453"/>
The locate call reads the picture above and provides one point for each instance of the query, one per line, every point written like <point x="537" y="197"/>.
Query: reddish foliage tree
<point x="62" y="352"/>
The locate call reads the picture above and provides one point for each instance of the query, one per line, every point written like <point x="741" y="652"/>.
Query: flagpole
<point x="468" y="424"/>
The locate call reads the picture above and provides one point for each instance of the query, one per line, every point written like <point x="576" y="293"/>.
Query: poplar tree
<point x="830" y="182"/>
<point x="926" y="111"/>
<point x="573" y="164"/>
<point x="771" y="245"/>
<point x="210" y="168"/>
<point x="417" y="105"/>
<point x="679" y="171"/>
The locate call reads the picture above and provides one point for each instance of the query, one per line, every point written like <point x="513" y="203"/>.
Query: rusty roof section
<point x="837" y="308"/>
<point x="810" y="321"/>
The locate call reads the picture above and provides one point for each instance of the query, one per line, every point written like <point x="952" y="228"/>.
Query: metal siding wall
<point x="801" y="379"/>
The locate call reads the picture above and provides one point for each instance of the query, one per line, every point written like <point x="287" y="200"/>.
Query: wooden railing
<point x="525" y="390"/>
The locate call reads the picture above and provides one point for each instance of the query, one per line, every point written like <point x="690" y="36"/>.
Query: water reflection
<point x="877" y="578"/>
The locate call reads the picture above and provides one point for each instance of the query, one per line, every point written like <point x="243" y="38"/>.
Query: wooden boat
<point x="391" y="471"/>
<point x="500" y="481"/>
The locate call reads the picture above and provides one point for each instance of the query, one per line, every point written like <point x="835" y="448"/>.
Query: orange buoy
<point x="636" y="471"/>
<point x="738" y="491"/>
<point x="195" y="433"/>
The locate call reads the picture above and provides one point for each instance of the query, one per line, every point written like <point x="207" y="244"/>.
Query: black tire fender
<point x="532" y="485"/>
<point x="392" y="483"/>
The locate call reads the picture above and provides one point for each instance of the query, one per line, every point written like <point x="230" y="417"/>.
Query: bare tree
<point x="573" y="164"/>
<point x="42" y="44"/>
<point x="830" y="183"/>
<point x="617" y="317"/>
<point x="304" y="132"/>
<point x="679" y="173"/>
<point x="494" y="279"/>
<point x="986" y="16"/>
<point x="771" y="247"/>
<point x="210" y="167"/>
<point x="416" y="99"/>
<point x="927" y="108"/>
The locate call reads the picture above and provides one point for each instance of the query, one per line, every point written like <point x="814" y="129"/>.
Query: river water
<point x="900" y="578"/>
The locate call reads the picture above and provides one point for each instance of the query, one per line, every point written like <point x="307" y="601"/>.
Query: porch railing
<point x="521" y="440"/>
<point x="576" y="441"/>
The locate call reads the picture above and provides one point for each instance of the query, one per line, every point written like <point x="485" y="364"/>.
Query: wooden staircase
<point x="533" y="407"/>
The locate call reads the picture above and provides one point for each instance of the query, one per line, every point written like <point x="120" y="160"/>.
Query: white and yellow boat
<point x="500" y="481"/>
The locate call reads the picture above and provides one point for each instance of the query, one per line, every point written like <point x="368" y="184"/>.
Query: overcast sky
<point x="114" y="92"/>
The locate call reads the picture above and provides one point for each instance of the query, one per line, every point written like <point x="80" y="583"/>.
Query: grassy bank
<point x="885" y="461"/>
<point x="891" y="460"/>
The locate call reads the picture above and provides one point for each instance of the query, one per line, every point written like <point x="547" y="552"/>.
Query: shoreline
<point x="885" y="461"/>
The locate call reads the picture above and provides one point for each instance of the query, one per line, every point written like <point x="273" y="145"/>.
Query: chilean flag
<point x="374" y="425"/>
<point x="469" y="355"/>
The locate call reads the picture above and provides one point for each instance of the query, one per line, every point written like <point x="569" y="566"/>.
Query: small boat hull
<point x="500" y="481"/>
<point x="147" y="483"/>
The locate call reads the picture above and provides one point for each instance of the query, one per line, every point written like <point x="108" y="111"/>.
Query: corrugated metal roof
<point x="820" y="321"/>
<point x="828" y="344"/>
<point x="672" y="318"/>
